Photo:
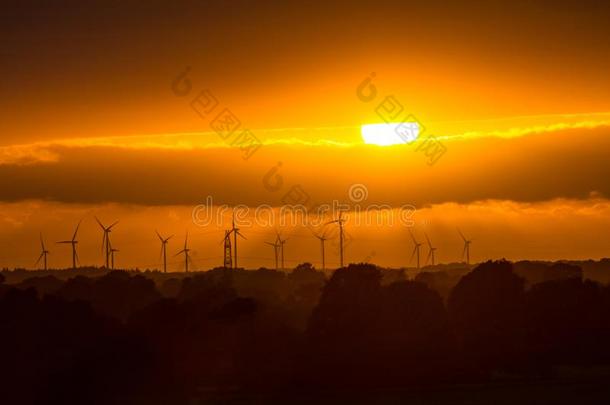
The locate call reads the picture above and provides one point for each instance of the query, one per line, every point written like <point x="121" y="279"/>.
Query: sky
<point x="104" y="114"/>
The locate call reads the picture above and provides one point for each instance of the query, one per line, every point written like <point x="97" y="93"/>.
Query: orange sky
<point x="518" y="95"/>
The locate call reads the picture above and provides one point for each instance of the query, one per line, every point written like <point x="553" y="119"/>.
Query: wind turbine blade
<point x="160" y="238"/>
<point x="76" y="231"/>
<point x="64" y="241"/>
<point x="413" y="254"/>
<point x="429" y="256"/>
<point x="412" y="237"/>
<point x="464" y="251"/>
<point x="41" y="242"/>
<point x="116" y="222"/>
<point x="39" y="257"/>
<point x="103" y="241"/>
<point x="169" y="238"/>
<point x="161" y="252"/>
<point x="180" y="252"/>
<point x="428" y="239"/>
<point x="100" y="223"/>
<point x="461" y="234"/>
<point x="239" y="233"/>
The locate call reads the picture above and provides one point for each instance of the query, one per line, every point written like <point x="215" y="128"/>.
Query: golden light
<point x="390" y="134"/>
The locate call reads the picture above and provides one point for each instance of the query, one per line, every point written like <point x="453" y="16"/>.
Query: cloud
<point x="26" y="154"/>
<point x="570" y="163"/>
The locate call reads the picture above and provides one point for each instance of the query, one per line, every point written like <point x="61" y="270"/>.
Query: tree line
<point x="149" y="338"/>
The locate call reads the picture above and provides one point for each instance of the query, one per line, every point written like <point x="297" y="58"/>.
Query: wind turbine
<point x="431" y="251"/>
<point x="275" y="251"/>
<point x="280" y="243"/>
<point x="164" y="250"/>
<point x="466" y="250"/>
<point x="340" y="222"/>
<point x="112" y="252"/>
<point x="322" y="239"/>
<point x="43" y="254"/>
<point x="73" y="242"/>
<point x="226" y="250"/>
<point x="106" y="239"/>
<point x="416" y="249"/>
<point x="235" y="231"/>
<point x="186" y="251"/>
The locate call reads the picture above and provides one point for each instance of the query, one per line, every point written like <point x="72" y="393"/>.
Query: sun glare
<point x="390" y="134"/>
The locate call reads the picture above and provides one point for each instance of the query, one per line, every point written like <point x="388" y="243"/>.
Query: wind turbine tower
<point x="164" y="249"/>
<point x="73" y="242"/>
<point x="322" y="239"/>
<point x="43" y="253"/>
<point x="227" y="250"/>
<point x="466" y="251"/>
<point x="431" y="251"/>
<point x="340" y="221"/>
<point x="275" y="251"/>
<point x="415" y="249"/>
<point x="187" y="256"/>
<point x="106" y="246"/>
<point x="280" y="243"/>
<point x="112" y="252"/>
<point x="235" y="231"/>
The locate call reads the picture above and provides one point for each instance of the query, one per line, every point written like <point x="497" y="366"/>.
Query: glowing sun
<point x="390" y="134"/>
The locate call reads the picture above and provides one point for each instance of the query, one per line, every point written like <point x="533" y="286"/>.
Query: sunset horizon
<point x="294" y="202"/>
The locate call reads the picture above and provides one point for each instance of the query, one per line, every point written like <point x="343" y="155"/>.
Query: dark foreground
<point x="592" y="390"/>
<point x="500" y="333"/>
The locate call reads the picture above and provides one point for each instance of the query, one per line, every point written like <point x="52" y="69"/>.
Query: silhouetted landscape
<point x="500" y="332"/>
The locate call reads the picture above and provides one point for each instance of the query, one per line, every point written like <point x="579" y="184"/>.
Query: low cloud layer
<point x="538" y="167"/>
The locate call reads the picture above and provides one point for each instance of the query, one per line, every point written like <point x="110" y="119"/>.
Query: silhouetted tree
<point x="412" y="333"/>
<point x="365" y="334"/>
<point x="116" y="294"/>
<point x="440" y="281"/>
<point x="304" y="267"/>
<point x="170" y="288"/>
<point x="485" y="310"/>
<point x="43" y="285"/>
<point x="567" y="322"/>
